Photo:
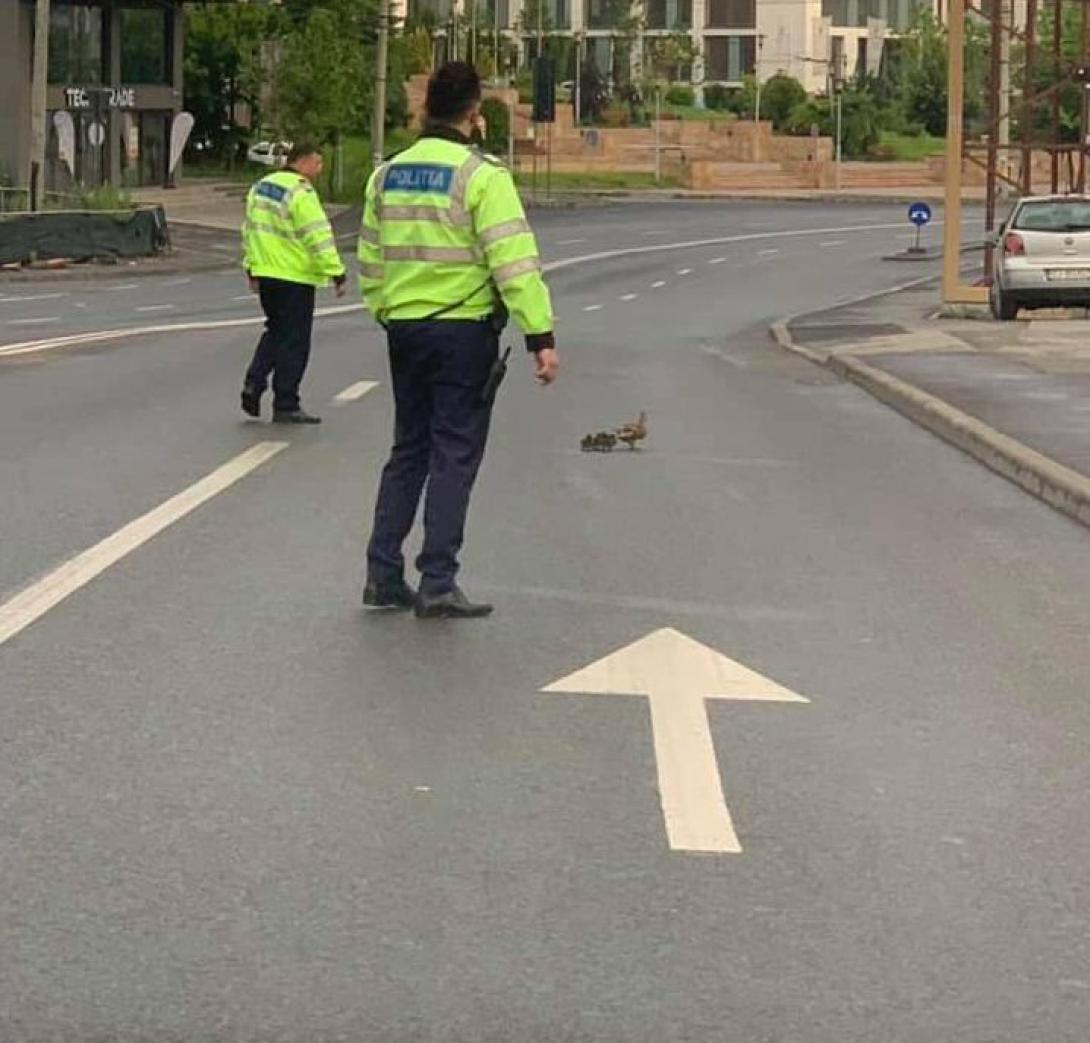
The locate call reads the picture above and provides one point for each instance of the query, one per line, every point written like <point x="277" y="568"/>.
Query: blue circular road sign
<point x="919" y="214"/>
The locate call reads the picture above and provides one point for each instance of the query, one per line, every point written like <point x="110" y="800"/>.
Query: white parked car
<point x="269" y="153"/>
<point x="1042" y="256"/>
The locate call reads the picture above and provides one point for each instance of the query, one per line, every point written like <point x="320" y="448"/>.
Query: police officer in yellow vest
<point x="288" y="251"/>
<point x="444" y="249"/>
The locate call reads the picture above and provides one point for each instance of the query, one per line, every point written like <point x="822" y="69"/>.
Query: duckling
<point x="605" y="440"/>
<point x="630" y="434"/>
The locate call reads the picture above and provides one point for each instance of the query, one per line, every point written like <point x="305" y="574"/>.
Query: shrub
<point x="719" y="98"/>
<point x="680" y="95"/>
<point x="498" y="121"/>
<point x="780" y="96"/>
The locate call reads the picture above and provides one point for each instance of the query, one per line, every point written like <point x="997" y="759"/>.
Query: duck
<point x="631" y="434"/>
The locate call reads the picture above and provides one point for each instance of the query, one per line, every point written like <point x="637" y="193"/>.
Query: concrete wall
<point x="16" y="40"/>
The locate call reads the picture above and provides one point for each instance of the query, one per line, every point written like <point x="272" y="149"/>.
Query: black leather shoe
<point x="397" y="595"/>
<point x="251" y="400"/>
<point x="295" y="416"/>
<point x="451" y="605"/>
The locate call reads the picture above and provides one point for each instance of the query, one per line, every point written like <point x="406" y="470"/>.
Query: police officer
<point x="443" y="249"/>
<point x="288" y="251"/>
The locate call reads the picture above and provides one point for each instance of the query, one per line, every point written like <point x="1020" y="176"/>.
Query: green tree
<point x="223" y="69"/>
<point x="321" y="89"/>
<point x="925" y="70"/>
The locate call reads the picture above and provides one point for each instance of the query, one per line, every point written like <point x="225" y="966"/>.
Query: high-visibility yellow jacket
<point x="286" y="234"/>
<point x="443" y="225"/>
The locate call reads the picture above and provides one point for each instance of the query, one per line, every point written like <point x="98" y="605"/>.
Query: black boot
<point x="251" y="400"/>
<point x="396" y="594"/>
<point x="294" y="416"/>
<point x="451" y="605"/>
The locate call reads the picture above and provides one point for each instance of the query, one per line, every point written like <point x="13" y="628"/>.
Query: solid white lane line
<point x="33" y="322"/>
<point x="94" y="337"/>
<point x="158" y="307"/>
<point x="35" y="601"/>
<point x="355" y="391"/>
<point x="658" y="285"/>
<point x="27" y="347"/>
<point x="629" y="296"/>
<point x="32" y="297"/>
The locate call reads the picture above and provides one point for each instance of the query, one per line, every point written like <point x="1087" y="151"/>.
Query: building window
<point x="732" y="14"/>
<point x="432" y="13"/>
<point x="548" y="14"/>
<point x="607" y="14"/>
<point x="76" y="56"/>
<point x="837" y="68"/>
<point x="669" y="14"/>
<point x="853" y="14"/>
<point x="729" y="58"/>
<point x="145" y="45"/>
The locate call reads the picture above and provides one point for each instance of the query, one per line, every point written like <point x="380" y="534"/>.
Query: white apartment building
<point x="810" y="40"/>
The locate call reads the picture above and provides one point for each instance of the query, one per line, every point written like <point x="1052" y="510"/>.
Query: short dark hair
<point x="452" y="91"/>
<point x="301" y="151"/>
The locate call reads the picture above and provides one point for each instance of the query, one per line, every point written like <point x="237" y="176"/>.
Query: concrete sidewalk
<point x="1014" y="395"/>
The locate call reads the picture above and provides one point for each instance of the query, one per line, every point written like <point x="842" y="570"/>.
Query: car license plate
<point x="1068" y="274"/>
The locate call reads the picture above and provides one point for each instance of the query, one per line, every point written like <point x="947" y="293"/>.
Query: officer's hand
<point x="340" y="286"/>
<point x="546" y="363"/>
<point x="255" y="286"/>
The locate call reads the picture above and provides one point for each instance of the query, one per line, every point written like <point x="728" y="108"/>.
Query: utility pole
<point x="39" y="79"/>
<point x="378" y="122"/>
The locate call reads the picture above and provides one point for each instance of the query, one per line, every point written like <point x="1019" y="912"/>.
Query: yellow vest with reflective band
<point x="443" y="223"/>
<point x="286" y="234"/>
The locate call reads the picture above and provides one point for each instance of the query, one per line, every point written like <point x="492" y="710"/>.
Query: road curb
<point x="1059" y="486"/>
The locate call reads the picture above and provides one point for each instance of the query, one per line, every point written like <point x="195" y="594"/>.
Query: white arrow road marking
<point x="355" y="391"/>
<point x="677" y="674"/>
<point x="35" y="601"/>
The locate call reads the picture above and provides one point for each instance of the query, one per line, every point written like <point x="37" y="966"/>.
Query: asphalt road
<point x="237" y="808"/>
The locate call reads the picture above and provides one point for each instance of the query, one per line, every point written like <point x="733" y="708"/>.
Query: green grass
<point x="691" y="112"/>
<point x="906" y="149"/>
<point x="576" y="182"/>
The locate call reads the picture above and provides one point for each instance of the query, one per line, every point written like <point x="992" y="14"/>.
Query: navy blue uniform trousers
<point x="441" y="426"/>
<point x="284" y="348"/>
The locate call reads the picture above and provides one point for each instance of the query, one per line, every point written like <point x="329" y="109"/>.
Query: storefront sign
<point x="116" y="97"/>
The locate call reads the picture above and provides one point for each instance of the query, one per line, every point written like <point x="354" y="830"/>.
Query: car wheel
<point x="1004" y="306"/>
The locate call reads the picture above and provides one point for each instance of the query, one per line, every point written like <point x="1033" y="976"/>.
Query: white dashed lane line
<point x="355" y="391"/>
<point x="118" y="289"/>
<point x="32" y="297"/>
<point x="158" y="307"/>
<point x="658" y="285"/>
<point x="685" y="271"/>
<point x="570" y="242"/>
<point x="33" y="322"/>
<point x="593" y="307"/>
<point x="245" y="297"/>
<point x="768" y="253"/>
<point x="717" y="260"/>
<point x="629" y="296"/>
<point x="833" y="242"/>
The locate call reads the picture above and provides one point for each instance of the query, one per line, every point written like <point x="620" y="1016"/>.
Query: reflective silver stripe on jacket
<point x="323" y="246"/>
<point x="261" y="226"/>
<point x="370" y="235"/>
<point x="506" y="230"/>
<point x="459" y="189"/>
<point x="372" y="271"/>
<point x="439" y="215"/>
<point x="506" y="272"/>
<point x="314" y="226"/>
<point x="268" y="206"/>
<point x="438" y="254"/>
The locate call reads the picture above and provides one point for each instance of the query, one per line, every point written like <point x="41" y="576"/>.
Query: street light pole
<point x="378" y="120"/>
<point x="36" y="178"/>
<point x="757" y="77"/>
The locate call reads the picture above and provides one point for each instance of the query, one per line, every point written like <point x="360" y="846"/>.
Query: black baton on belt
<point x="495" y="378"/>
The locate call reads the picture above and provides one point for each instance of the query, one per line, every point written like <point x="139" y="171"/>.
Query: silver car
<point x="1042" y="256"/>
